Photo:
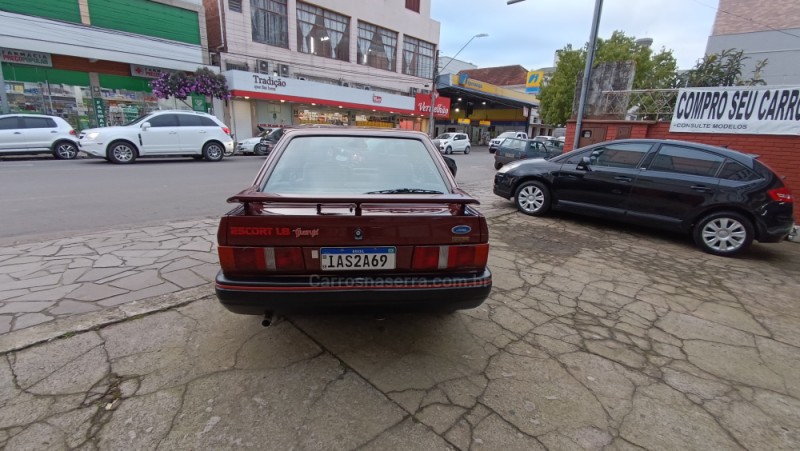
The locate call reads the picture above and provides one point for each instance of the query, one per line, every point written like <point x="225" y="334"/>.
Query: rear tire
<point x="724" y="233"/>
<point x="122" y="152"/>
<point x="213" y="151"/>
<point x="466" y="151"/>
<point x="65" y="150"/>
<point x="532" y="198"/>
<point x="498" y="165"/>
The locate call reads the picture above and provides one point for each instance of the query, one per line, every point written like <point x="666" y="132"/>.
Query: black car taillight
<point x="780" y="195"/>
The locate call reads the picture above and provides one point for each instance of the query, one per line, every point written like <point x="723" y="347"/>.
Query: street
<point x="46" y="198"/>
<point x="596" y="336"/>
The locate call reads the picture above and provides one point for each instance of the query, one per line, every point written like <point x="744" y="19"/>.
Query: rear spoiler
<point x="458" y="197"/>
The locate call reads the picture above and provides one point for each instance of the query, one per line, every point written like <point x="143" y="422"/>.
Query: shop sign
<point x="485" y="123"/>
<point x="533" y="81"/>
<point x="376" y="98"/>
<point x="463" y="121"/>
<point x="760" y="110"/>
<point x="267" y="83"/>
<point x="422" y="106"/>
<point x="137" y="70"/>
<point x="26" y="57"/>
<point x="99" y="112"/>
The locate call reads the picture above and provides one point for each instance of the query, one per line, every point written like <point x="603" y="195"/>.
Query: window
<point x="417" y="58"/>
<point x="235" y="5"/>
<point x="413" y="5"/>
<point x="322" y="32"/>
<point x="164" y="120"/>
<point x="732" y="170"/>
<point x="8" y="123"/>
<point x="377" y="47"/>
<point x="618" y="155"/>
<point x="685" y="160"/>
<point x="39" y="122"/>
<point x="270" y="23"/>
<point x="190" y="120"/>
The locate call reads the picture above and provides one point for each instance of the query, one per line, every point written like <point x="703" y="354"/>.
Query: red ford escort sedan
<point x="348" y="217"/>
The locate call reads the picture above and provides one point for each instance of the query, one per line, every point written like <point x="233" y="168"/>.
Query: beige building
<point x="763" y="29"/>
<point x="323" y="61"/>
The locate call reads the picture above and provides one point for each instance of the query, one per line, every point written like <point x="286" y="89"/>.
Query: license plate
<point x="357" y="258"/>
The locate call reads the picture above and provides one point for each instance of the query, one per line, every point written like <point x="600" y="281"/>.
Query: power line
<point x="747" y="19"/>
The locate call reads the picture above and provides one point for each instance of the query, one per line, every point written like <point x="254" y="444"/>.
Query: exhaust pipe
<point x="270" y="319"/>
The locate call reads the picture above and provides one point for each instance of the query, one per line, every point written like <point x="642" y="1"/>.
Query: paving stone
<point x="30" y="319"/>
<point x="10" y="267"/>
<point x="68" y="307"/>
<point x="51" y="294"/>
<point x="45" y="281"/>
<point x="8" y="294"/>
<point x="108" y="261"/>
<point x="23" y="307"/>
<point x="97" y="274"/>
<point x="139" y="281"/>
<point x="207" y="271"/>
<point x="5" y="323"/>
<point x="94" y="292"/>
<point x="181" y="263"/>
<point x="184" y="278"/>
<point x="138" y="295"/>
<point x="75" y="251"/>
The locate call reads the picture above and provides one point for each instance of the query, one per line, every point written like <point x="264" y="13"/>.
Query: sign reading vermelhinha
<point x="762" y="110"/>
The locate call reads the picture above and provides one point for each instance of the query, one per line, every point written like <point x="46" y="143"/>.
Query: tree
<point x="180" y="85"/>
<point x="722" y="69"/>
<point x="653" y="71"/>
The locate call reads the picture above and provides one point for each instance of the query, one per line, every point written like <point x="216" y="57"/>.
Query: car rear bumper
<point x="335" y="292"/>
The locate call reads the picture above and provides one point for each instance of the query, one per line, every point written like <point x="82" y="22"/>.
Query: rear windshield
<point x="346" y="165"/>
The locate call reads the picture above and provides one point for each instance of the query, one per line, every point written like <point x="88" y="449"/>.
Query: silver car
<point x="22" y="134"/>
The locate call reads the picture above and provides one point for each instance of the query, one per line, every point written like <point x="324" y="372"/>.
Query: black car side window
<point x="626" y="155"/>
<point x="576" y="158"/>
<point x="685" y="160"/>
<point x="189" y="120"/>
<point x="164" y="120"/>
<point x="732" y="170"/>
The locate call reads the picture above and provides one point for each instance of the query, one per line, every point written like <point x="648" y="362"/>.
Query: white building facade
<point x="291" y="62"/>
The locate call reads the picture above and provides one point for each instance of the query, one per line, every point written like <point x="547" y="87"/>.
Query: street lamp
<point x="587" y="71"/>
<point x="435" y="75"/>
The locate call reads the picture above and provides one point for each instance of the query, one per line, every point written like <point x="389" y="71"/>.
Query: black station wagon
<point x="724" y="198"/>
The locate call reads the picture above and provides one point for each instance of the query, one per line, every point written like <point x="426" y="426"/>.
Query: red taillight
<point x="72" y="132"/>
<point x="450" y="257"/>
<point x="226" y="130"/>
<point x="260" y="259"/>
<point x="780" y="194"/>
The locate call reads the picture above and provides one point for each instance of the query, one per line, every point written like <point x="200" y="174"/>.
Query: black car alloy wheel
<point x="532" y="198"/>
<point x="723" y="233"/>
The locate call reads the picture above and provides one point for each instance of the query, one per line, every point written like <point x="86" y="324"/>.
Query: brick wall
<point x="745" y="16"/>
<point x="779" y="152"/>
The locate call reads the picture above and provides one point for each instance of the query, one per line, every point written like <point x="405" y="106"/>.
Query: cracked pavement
<point x="595" y="336"/>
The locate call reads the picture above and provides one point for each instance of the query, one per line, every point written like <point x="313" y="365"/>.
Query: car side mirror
<point x="145" y="126"/>
<point x="451" y="164"/>
<point x="585" y="163"/>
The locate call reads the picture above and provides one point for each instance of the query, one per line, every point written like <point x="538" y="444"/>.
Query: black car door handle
<point x="700" y="188"/>
<point x="621" y="178"/>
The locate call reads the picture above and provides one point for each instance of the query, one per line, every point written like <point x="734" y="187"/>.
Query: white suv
<point x="160" y="133"/>
<point x="34" y="133"/>
<point x="452" y="142"/>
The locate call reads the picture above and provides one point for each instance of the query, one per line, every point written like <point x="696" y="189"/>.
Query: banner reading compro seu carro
<point x="762" y="110"/>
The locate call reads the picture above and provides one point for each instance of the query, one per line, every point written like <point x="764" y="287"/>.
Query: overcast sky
<point x="530" y="32"/>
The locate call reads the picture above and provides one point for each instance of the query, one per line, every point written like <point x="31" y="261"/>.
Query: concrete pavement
<point x="595" y="337"/>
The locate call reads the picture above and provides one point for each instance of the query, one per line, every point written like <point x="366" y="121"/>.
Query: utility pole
<point x="587" y="72"/>
<point x="431" y="126"/>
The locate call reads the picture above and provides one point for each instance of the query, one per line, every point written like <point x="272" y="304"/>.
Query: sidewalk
<point x="96" y="275"/>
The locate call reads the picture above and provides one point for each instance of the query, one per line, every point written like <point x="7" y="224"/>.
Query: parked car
<point x="343" y="217"/>
<point x="30" y="134"/>
<point x="555" y="143"/>
<point x="249" y="145"/>
<point x="543" y="138"/>
<point x="268" y="141"/>
<point x="520" y="149"/>
<point x="161" y="133"/>
<point x="495" y="143"/>
<point x="448" y="143"/>
<point x="724" y="198"/>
